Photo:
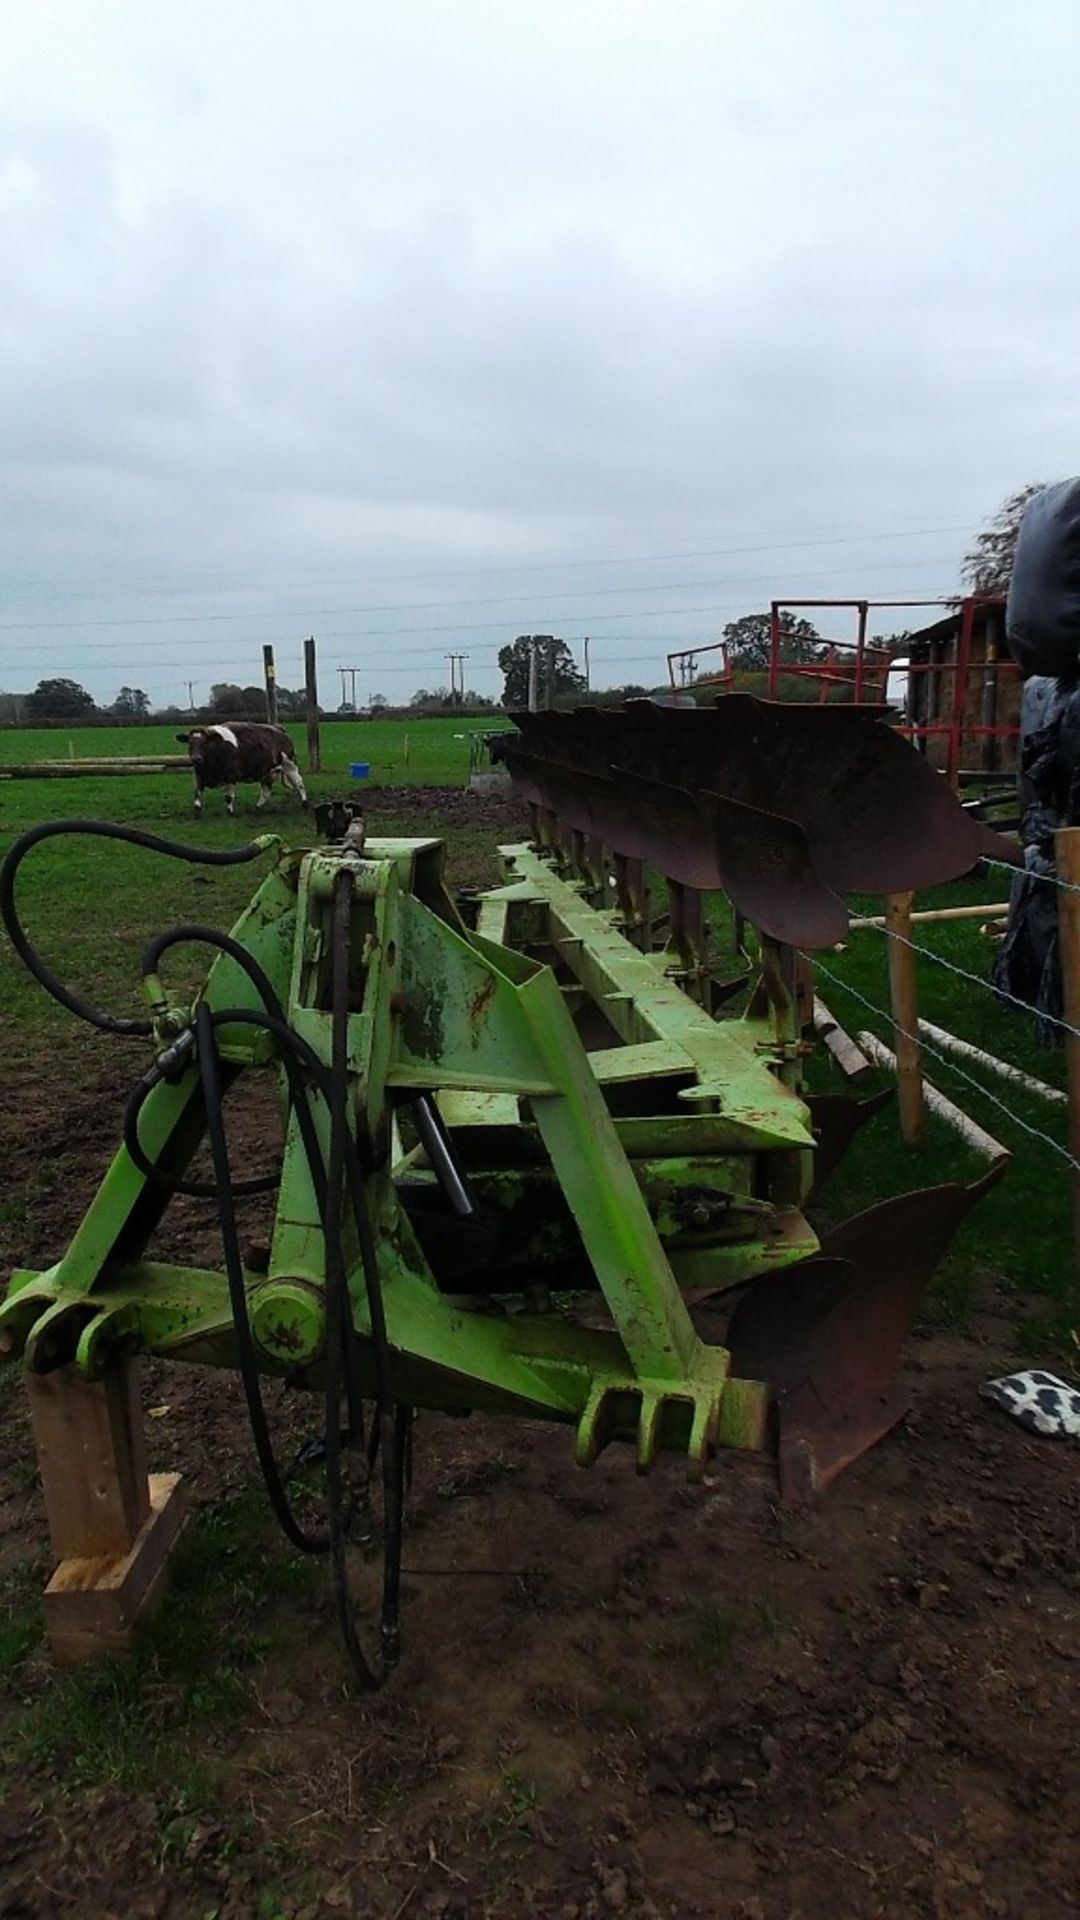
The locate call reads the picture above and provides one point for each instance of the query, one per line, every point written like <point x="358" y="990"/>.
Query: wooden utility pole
<point x="270" y="678"/>
<point x="905" y="1012"/>
<point x="311" y="697"/>
<point x="1067" y="855"/>
<point x="532" y="673"/>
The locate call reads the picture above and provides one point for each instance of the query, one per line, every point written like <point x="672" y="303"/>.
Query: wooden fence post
<point x="270" y="678"/>
<point x="311" y="694"/>
<point x="1067" y="856"/>
<point x="905" y="1012"/>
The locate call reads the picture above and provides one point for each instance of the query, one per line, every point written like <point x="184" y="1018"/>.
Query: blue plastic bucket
<point x="359" y="769"/>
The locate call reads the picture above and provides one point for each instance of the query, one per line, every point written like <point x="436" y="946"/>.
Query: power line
<point x="468" y="626"/>
<point x="610" y="556"/>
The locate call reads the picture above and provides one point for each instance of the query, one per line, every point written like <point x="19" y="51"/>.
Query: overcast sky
<point x="416" y="326"/>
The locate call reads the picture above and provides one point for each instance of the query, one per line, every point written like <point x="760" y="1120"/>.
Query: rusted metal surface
<point x="784" y="808"/>
<point x="827" y="1334"/>
<point x="836" y="1119"/>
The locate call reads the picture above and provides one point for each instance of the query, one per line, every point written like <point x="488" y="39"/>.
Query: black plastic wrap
<point x="1042" y="618"/>
<point x="1028" y="964"/>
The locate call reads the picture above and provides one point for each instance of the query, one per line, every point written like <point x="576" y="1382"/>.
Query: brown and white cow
<point x="226" y="754"/>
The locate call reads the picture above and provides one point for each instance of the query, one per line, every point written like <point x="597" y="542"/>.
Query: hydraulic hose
<point x="102" y="830"/>
<point x="391" y="1425"/>
<point x="210" y="1070"/>
<point x="338" y="1319"/>
<point x="173" y="1183"/>
<point x="183" y="935"/>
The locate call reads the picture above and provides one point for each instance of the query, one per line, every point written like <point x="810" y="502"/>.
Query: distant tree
<point x="432" y="700"/>
<point x="557" y="675"/>
<point x="612" y="696"/>
<point x="988" y="563"/>
<point x="229" y="702"/>
<point x="9" y="705"/>
<point x="378" y="703"/>
<point x="291" y="705"/>
<point x="131" y="703"/>
<point x="475" y="702"/>
<point x="749" y="640"/>
<point x="59" y="700"/>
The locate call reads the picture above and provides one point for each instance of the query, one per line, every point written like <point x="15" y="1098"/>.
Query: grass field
<point x="64" y="887"/>
<point x="422" y="752"/>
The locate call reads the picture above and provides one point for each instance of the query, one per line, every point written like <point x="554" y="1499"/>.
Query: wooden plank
<point x="71" y="769"/>
<point x="929" y="915"/>
<point x="963" y="1049"/>
<point x="968" y="1129"/>
<point x="840" y="1044"/>
<point x="92" y="1457"/>
<point x="95" y="1607"/>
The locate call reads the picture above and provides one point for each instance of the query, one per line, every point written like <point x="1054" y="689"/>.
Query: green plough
<point x="516" y="1155"/>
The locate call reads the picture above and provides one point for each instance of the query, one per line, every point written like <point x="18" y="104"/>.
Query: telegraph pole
<point x="343" y="671"/>
<point x="457" y="677"/>
<point x="532" y="673"/>
<point x="588" y="682"/>
<point x="191" y="696"/>
<point x="352" y="676"/>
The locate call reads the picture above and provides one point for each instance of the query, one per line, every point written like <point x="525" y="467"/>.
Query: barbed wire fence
<point x="917" y="1041"/>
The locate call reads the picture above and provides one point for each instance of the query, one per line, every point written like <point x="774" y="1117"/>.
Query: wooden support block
<point x="112" y="1525"/>
<point x="92" y="1457"/>
<point x="95" y="1607"/>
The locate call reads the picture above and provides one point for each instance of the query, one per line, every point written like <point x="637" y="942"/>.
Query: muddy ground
<point x="618" y="1695"/>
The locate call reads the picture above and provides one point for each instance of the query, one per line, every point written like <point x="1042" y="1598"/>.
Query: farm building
<point x="964" y="688"/>
<point x="955" y="682"/>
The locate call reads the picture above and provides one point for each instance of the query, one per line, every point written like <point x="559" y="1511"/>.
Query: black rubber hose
<point x="173" y="1183"/>
<point x="183" y="935"/>
<point x="273" y="1020"/>
<point x="339" y="1319"/>
<point x="296" y="1055"/>
<point x="209" y="1067"/>
<point x="188" y="933"/>
<point x="102" y="830"/>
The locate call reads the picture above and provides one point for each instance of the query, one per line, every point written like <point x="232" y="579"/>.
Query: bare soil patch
<point x="618" y="1695"/>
